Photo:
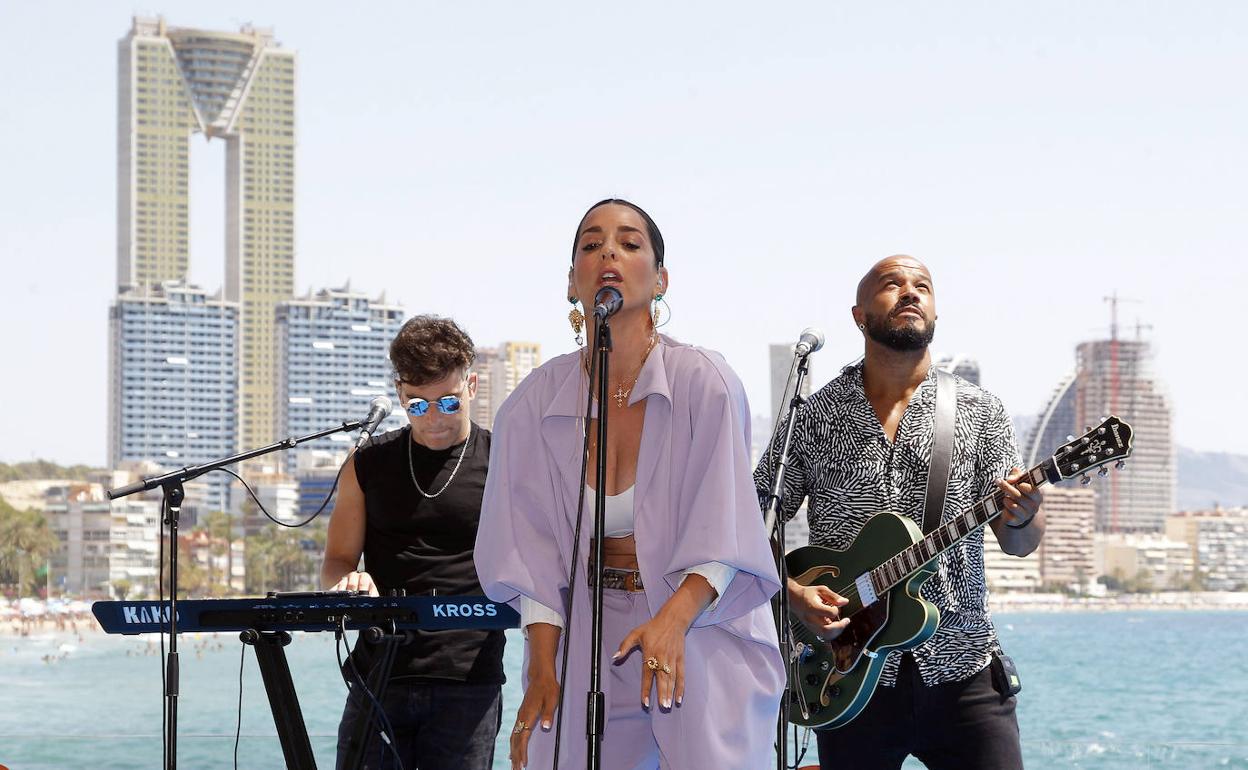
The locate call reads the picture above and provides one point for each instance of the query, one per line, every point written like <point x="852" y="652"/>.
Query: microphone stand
<point x="171" y="485"/>
<point x="781" y="606"/>
<point x="595" y="716"/>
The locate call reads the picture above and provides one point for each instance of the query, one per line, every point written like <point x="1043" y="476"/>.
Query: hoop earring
<point x="577" y="319"/>
<point x="862" y="327"/>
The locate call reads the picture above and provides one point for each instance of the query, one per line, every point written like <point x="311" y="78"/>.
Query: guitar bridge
<point x="866" y="591"/>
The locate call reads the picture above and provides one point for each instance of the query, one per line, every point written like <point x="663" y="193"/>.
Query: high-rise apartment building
<point x="1114" y="376"/>
<point x="240" y="87"/>
<point x="173" y="389"/>
<point x="1067" y="555"/>
<point x="334" y="359"/>
<point x="964" y="366"/>
<point x="499" y="370"/>
<point x="1219" y="545"/>
<point x="780" y="358"/>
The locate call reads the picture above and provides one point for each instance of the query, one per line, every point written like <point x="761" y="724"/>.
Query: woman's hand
<point x="662" y="642"/>
<point x="538" y="706"/>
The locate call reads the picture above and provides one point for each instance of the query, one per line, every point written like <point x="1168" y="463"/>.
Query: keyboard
<point x="315" y="611"/>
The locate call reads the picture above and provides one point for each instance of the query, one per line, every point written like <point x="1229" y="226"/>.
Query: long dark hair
<point x="652" y="230"/>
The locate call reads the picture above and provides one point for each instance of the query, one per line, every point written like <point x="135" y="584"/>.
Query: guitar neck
<point x="945" y="536"/>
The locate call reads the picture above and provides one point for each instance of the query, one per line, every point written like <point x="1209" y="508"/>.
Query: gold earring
<point x="577" y="319"/>
<point x="657" y="299"/>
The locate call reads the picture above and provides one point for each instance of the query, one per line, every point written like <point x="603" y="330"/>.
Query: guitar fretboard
<point x="906" y="563"/>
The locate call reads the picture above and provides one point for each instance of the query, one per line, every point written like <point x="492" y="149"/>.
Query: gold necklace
<point x="621" y="393"/>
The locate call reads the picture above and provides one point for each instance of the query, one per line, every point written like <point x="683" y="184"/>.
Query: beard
<point x="906" y="338"/>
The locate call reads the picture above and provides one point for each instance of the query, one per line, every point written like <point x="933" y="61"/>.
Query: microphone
<point x="810" y="341"/>
<point x="378" y="409"/>
<point x="607" y="302"/>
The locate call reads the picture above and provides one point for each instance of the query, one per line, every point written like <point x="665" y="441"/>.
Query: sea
<point x="1101" y="690"/>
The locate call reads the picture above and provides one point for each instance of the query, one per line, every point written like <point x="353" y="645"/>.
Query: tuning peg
<point x="1087" y="429"/>
<point x="1103" y="419"/>
<point x="1085" y="479"/>
<point x="1070" y="437"/>
<point x="1120" y="464"/>
<point x="1103" y="472"/>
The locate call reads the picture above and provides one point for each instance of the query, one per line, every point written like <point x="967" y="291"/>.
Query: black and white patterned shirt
<point x="844" y="464"/>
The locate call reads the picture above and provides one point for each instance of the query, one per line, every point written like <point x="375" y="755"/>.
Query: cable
<point x="270" y="516"/>
<point x="238" y="727"/>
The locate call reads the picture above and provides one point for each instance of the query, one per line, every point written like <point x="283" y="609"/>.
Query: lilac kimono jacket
<point x="694" y="503"/>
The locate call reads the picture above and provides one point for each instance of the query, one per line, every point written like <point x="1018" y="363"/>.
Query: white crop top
<point x="618" y="520"/>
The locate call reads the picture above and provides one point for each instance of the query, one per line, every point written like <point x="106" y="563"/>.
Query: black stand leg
<point x="283" y="701"/>
<point x="596" y="705"/>
<point x="173" y="496"/>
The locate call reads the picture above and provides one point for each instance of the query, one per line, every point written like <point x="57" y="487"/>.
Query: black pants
<point x="967" y="725"/>
<point x="437" y="726"/>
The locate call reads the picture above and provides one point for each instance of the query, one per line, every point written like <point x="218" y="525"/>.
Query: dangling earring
<point x="577" y="319"/>
<point x="655" y="315"/>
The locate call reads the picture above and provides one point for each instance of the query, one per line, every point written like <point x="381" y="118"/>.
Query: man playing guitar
<point x="862" y="444"/>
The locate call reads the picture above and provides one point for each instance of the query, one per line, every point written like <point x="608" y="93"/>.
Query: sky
<point x="1037" y="156"/>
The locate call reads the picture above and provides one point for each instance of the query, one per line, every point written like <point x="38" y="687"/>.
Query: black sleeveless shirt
<point x="422" y="545"/>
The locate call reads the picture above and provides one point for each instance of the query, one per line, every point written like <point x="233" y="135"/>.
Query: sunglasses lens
<point x="448" y="404"/>
<point x="416" y="407"/>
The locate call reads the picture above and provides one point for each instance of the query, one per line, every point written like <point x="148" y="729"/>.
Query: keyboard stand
<point x="284" y="702"/>
<point x="378" y="678"/>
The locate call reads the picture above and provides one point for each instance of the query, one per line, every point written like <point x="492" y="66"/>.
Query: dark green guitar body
<point x="835" y="680"/>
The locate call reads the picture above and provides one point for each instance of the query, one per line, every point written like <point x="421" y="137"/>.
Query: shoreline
<point x="80" y="623"/>
<point x="1203" y="601"/>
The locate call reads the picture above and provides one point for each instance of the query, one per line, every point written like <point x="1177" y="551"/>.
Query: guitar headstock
<point x="1109" y="442"/>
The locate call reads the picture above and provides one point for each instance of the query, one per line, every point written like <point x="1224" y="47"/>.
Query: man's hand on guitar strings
<point x="1022" y="500"/>
<point x="819" y="609"/>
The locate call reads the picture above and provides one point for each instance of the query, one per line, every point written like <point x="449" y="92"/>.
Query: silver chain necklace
<point x="411" y="468"/>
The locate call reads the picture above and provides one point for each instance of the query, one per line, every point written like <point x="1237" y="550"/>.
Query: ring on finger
<point x="652" y="663"/>
<point x="520" y="727"/>
<point x="666" y="669"/>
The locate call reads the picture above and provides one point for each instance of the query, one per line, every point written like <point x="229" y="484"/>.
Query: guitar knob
<point x="1085" y="479"/>
<point x="1091" y="458"/>
<point x="1103" y="472"/>
<point x="1120" y="464"/>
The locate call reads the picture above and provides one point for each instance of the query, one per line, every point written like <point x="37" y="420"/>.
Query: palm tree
<point x="26" y="543"/>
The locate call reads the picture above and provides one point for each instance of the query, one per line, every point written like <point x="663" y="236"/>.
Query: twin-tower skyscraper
<point x="174" y="84"/>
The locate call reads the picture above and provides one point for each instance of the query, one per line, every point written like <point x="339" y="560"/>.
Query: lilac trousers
<point x="727" y="718"/>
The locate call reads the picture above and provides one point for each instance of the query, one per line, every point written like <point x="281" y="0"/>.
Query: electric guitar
<point x="881" y="573"/>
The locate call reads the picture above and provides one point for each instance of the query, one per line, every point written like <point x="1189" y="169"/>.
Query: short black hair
<point x="429" y="348"/>
<point x="652" y="230"/>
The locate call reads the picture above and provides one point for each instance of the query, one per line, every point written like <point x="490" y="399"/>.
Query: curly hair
<point x="429" y="348"/>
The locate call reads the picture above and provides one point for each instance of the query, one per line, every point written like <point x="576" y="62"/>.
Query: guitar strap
<point x="942" y="450"/>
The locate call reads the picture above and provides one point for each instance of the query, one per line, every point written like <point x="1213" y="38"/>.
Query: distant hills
<point x="1206" y="478"/>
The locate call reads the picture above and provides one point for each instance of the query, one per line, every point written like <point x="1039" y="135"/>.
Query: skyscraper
<point x="173" y="390"/>
<point x="499" y="370"/>
<point x="240" y="87"/>
<point x="781" y="362"/>
<point x="334" y="359"/>
<point x="1115" y="376"/>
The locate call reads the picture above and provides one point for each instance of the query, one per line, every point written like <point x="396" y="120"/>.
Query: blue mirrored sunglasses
<point x="446" y="405"/>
